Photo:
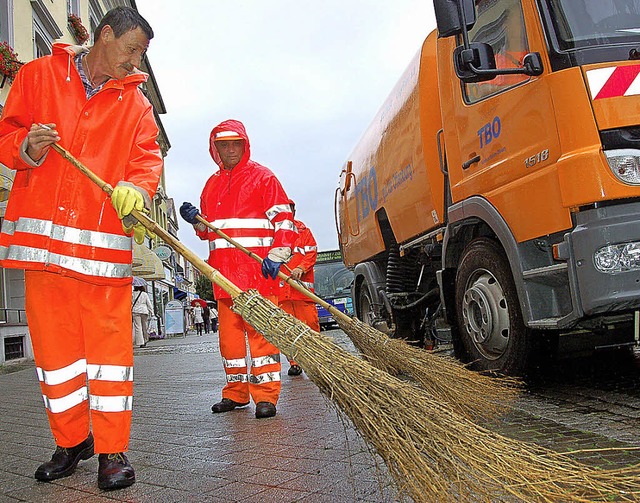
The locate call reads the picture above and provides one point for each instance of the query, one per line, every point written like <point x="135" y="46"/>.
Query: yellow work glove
<point x="125" y="199"/>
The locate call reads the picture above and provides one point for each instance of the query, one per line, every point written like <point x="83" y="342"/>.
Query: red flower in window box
<point x="9" y="64"/>
<point x="78" y="30"/>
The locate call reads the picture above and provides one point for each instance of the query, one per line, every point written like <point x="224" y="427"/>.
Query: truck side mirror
<point x="477" y="63"/>
<point x="478" y="56"/>
<point x="449" y="16"/>
<point x="532" y="64"/>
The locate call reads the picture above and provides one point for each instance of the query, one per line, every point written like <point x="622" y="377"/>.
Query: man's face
<point x="124" y="53"/>
<point x="230" y="152"/>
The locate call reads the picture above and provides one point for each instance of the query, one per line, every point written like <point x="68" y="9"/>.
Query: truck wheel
<point x="365" y="304"/>
<point x="489" y="319"/>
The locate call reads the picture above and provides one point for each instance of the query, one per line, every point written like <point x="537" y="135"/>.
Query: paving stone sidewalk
<point x="183" y="452"/>
<point x="307" y="453"/>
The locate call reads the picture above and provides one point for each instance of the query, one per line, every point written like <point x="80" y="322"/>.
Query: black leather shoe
<point x="265" y="409"/>
<point x="114" y="471"/>
<point x="226" y="404"/>
<point x="64" y="461"/>
<point x="294" y="370"/>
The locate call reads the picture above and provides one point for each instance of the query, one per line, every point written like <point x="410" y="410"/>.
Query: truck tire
<point x="365" y="304"/>
<point x="490" y="323"/>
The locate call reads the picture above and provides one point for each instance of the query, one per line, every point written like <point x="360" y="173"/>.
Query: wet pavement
<point x="307" y="453"/>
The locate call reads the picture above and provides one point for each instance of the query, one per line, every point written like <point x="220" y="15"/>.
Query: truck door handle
<point x="473" y="160"/>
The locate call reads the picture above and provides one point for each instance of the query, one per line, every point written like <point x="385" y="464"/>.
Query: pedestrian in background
<point x="198" y="320"/>
<point x="206" y="313"/>
<point x="75" y="248"/>
<point x="214" y="319"/>
<point x="248" y="202"/>
<point x="141" y="309"/>
<point x="305" y="253"/>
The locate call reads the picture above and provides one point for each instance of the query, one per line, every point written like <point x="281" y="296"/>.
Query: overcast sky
<point x="305" y="77"/>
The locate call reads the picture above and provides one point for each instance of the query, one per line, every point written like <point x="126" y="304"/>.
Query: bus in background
<point x="332" y="283"/>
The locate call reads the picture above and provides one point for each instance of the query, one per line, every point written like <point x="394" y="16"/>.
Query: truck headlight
<point x="625" y="164"/>
<point x="618" y="258"/>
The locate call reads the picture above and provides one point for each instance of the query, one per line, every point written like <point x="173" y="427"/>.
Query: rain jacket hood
<point x="136" y="77"/>
<point x="236" y="127"/>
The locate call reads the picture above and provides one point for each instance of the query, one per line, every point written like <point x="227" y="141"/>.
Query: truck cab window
<point x="595" y="22"/>
<point x="500" y="24"/>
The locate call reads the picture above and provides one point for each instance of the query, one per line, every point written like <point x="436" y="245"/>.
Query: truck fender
<point x="474" y="217"/>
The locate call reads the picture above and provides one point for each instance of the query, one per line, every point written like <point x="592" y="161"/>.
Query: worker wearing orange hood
<point x="247" y="202"/>
<point x="305" y="253"/>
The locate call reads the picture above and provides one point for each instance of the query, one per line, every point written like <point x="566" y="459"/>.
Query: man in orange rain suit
<point x="305" y="253"/>
<point x="247" y="202"/>
<point x="63" y="230"/>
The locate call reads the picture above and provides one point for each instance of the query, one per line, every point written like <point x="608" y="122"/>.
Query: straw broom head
<point x="469" y="393"/>
<point x="433" y="453"/>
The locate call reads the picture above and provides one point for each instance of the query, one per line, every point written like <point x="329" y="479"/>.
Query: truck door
<point x="505" y="127"/>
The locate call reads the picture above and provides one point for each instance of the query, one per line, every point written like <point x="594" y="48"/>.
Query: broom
<point x="469" y="393"/>
<point x="433" y="453"/>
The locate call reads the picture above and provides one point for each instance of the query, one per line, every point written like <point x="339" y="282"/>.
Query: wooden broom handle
<point x="214" y="275"/>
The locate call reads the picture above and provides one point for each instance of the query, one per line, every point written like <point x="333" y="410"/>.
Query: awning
<point x="178" y="294"/>
<point x="146" y="264"/>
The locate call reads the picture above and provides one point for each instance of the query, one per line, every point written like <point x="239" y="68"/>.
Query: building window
<point x="13" y="348"/>
<point x="95" y="16"/>
<point x="45" y="29"/>
<point x="73" y="7"/>
<point x="6" y="21"/>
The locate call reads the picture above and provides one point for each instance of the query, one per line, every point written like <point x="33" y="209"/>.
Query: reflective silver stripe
<point x="310" y="248"/>
<point x="237" y="378"/>
<point x="83" y="266"/>
<point x="264" y="378"/>
<point x="57" y="405"/>
<point x="242" y="223"/>
<point x="8" y="227"/>
<point x="286" y="225"/>
<point x="236" y="363"/>
<point x="53" y="377"/>
<point x="116" y="373"/>
<point x="110" y="403"/>
<point x="308" y="285"/>
<point x="265" y="360"/>
<point x="67" y="234"/>
<point x="218" y="244"/>
<point x="276" y="210"/>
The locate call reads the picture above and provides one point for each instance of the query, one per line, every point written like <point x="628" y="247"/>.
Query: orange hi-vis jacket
<point x="57" y="220"/>
<point x="305" y="253"/>
<point x="249" y="204"/>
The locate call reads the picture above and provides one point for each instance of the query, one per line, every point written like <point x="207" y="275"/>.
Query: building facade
<point x="28" y="29"/>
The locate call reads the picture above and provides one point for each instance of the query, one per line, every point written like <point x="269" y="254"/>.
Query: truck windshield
<point x="587" y="23"/>
<point x="332" y="279"/>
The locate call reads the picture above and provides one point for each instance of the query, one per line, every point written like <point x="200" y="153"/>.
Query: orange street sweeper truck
<point x="495" y="198"/>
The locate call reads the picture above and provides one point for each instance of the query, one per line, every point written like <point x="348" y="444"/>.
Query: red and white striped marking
<point x="614" y="81"/>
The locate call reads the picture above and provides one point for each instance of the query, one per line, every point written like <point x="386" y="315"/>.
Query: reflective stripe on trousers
<point x="262" y="381"/>
<point x="81" y="336"/>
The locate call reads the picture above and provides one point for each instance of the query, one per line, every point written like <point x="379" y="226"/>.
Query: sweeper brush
<point x="469" y="393"/>
<point x="433" y="453"/>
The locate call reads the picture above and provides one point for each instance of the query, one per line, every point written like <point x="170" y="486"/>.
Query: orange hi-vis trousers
<point x="260" y="381"/>
<point x="81" y="336"/>
<point x="304" y="311"/>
